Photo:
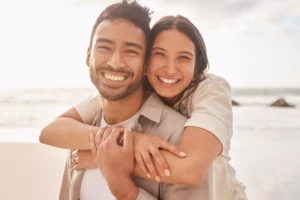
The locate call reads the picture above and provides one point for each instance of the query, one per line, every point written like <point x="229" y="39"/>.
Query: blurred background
<point x="254" y="44"/>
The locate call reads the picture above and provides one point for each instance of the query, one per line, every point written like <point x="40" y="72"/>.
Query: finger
<point x="120" y="139"/>
<point x="101" y="130"/>
<point x="140" y="162"/>
<point x="93" y="144"/>
<point x="116" y="133"/>
<point x="160" y="160"/>
<point x="99" y="136"/>
<point x="149" y="164"/>
<point x="76" y="160"/>
<point x="106" y="133"/>
<point x="128" y="140"/>
<point x="74" y="153"/>
<point x="76" y="167"/>
<point x="171" y="148"/>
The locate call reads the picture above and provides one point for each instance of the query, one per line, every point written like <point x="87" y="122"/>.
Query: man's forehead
<point x="119" y="29"/>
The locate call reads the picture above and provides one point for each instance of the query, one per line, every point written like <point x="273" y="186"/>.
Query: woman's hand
<point x="146" y="147"/>
<point x="83" y="159"/>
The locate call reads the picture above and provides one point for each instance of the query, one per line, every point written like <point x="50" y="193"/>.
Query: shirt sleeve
<point x="88" y="108"/>
<point x="144" y="195"/>
<point x="212" y="108"/>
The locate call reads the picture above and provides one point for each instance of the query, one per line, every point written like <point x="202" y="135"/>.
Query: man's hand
<point x="115" y="162"/>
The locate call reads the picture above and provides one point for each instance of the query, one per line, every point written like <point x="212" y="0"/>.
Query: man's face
<point x="116" y="58"/>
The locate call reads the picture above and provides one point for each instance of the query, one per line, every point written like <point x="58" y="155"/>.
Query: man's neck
<point x="115" y="112"/>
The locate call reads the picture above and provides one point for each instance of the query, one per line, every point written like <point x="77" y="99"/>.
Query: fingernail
<point x="182" y="154"/>
<point x="167" y="172"/>
<point x="128" y="129"/>
<point x="149" y="175"/>
<point x="157" y="178"/>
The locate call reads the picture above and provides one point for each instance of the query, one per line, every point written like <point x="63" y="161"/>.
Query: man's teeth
<point x="113" y="78"/>
<point x="168" y="80"/>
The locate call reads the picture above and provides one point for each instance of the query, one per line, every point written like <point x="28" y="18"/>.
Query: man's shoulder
<point x="172" y="117"/>
<point x="155" y="110"/>
<point x="171" y="125"/>
<point x="163" y="120"/>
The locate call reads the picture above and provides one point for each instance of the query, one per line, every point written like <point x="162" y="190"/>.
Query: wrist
<point x="123" y="187"/>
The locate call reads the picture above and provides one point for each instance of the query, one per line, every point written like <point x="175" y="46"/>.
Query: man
<point x="115" y="59"/>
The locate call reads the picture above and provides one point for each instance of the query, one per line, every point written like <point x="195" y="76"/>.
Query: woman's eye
<point x="184" y="58"/>
<point x="158" y="53"/>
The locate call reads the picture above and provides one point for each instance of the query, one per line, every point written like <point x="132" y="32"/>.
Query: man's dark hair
<point x="131" y="11"/>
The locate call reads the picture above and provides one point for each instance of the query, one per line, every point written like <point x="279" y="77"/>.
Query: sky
<point x="251" y="43"/>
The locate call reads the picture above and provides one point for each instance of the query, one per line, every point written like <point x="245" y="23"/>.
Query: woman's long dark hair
<point x="185" y="26"/>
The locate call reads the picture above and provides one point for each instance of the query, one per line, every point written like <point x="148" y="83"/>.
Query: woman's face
<point x="171" y="63"/>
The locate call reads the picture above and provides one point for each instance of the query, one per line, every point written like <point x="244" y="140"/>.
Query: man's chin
<point x="113" y="96"/>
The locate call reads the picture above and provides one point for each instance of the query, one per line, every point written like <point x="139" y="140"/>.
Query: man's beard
<point x="111" y="93"/>
<point x="121" y="95"/>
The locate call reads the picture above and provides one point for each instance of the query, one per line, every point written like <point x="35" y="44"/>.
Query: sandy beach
<point x="30" y="171"/>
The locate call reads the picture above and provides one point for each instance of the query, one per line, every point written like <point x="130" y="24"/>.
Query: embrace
<point x="160" y="126"/>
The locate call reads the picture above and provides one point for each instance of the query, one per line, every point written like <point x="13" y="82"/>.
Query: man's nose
<point x="116" y="60"/>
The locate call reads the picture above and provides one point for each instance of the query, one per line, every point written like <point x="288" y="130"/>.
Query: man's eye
<point x="103" y="47"/>
<point x="131" y="51"/>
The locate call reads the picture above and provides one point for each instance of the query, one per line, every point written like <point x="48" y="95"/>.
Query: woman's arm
<point x="201" y="148"/>
<point x="68" y="132"/>
<point x="205" y="135"/>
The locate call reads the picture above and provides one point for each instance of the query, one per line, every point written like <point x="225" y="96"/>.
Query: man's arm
<point x="123" y="188"/>
<point x="116" y="163"/>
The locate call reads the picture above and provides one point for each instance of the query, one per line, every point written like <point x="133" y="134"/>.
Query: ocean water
<point x="265" y="146"/>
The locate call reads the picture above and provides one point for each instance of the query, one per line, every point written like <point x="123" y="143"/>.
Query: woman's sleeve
<point x="212" y="108"/>
<point x="88" y="108"/>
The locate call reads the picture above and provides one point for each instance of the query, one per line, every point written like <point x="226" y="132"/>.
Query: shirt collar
<point x="152" y="108"/>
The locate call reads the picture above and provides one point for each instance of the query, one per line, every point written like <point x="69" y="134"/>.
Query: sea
<point x="265" y="146"/>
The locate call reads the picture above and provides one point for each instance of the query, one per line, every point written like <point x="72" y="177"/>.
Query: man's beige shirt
<point x="157" y="118"/>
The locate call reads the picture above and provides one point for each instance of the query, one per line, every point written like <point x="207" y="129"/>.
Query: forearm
<point x="122" y="187"/>
<point x="201" y="148"/>
<point x="182" y="171"/>
<point x="67" y="133"/>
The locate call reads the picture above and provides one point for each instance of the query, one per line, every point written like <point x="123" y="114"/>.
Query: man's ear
<point x="88" y="57"/>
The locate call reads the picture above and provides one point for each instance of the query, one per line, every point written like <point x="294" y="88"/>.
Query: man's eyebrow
<point x="104" y="40"/>
<point x="133" y="44"/>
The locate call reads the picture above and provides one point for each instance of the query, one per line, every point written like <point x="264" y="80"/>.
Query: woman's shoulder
<point x="212" y="80"/>
<point x="211" y="85"/>
<point x="210" y="107"/>
<point x="212" y="91"/>
<point x="89" y="107"/>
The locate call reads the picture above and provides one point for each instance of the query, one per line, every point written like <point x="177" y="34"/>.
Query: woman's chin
<point x="166" y="94"/>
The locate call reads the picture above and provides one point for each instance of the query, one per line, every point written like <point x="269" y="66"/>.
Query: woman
<point x="176" y="64"/>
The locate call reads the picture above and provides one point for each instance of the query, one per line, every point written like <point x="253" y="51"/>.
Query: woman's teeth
<point x="113" y="77"/>
<point x="170" y="81"/>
